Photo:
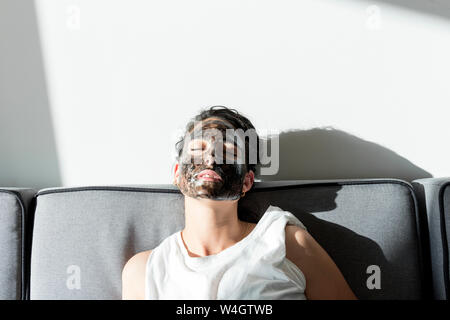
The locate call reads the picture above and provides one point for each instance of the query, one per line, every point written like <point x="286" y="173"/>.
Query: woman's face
<point x="209" y="168"/>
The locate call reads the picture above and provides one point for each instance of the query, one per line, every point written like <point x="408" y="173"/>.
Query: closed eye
<point x="197" y="145"/>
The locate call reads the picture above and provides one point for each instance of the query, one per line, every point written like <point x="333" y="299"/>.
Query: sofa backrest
<point x="83" y="236"/>
<point x="369" y="228"/>
<point x="434" y="196"/>
<point x="14" y="223"/>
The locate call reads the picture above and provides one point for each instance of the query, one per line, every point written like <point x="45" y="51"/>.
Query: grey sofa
<point x="72" y="243"/>
<point x="433" y="195"/>
<point x="15" y="238"/>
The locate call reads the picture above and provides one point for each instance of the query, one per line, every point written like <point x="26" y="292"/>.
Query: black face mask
<point x="192" y="184"/>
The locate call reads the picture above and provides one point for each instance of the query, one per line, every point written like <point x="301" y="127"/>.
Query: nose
<point x="209" y="159"/>
<point x="209" y="155"/>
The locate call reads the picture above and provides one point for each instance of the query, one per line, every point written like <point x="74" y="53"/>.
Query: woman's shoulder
<point x="274" y="213"/>
<point x="136" y="263"/>
<point x="138" y="259"/>
<point x="133" y="276"/>
<point x="295" y="237"/>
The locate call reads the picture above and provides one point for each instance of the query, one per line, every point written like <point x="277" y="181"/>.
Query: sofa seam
<point x="445" y="258"/>
<point x="261" y="189"/>
<point x="22" y="239"/>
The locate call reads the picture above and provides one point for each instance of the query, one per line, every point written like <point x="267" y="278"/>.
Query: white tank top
<point x="255" y="268"/>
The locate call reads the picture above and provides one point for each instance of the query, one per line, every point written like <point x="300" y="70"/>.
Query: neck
<point x="211" y="226"/>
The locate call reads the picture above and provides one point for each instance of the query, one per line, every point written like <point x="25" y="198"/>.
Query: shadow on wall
<point x="27" y="141"/>
<point x="351" y="251"/>
<point x="439" y="8"/>
<point x="321" y="154"/>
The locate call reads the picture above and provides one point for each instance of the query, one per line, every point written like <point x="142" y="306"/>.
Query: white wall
<point x="124" y="76"/>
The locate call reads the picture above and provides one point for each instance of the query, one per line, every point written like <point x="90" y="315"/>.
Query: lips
<point x="209" y="175"/>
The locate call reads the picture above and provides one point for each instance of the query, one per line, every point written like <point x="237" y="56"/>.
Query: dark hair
<point x="231" y="115"/>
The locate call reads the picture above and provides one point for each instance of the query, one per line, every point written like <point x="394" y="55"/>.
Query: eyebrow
<point x="215" y="120"/>
<point x="234" y="143"/>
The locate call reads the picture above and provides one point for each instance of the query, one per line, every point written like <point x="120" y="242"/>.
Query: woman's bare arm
<point x="324" y="280"/>
<point x="133" y="277"/>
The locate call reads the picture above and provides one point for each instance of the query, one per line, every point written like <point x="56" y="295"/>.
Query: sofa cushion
<point x="14" y="216"/>
<point x="84" y="236"/>
<point x="434" y="199"/>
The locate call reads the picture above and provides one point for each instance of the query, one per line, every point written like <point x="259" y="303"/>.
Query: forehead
<point x="210" y="127"/>
<point x="212" y="123"/>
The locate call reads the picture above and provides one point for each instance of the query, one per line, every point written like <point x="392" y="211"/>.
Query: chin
<point x="209" y="197"/>
<point x="218" y="198"/>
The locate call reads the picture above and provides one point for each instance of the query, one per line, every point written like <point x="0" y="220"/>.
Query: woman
<point x="218" y="255"/>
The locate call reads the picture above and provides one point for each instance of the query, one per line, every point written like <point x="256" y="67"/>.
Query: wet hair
<point x="237" y="120"/>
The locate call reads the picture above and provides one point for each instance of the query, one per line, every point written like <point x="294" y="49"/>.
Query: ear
<point x="248" y="181"/>
<point x="176" y="174"/>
